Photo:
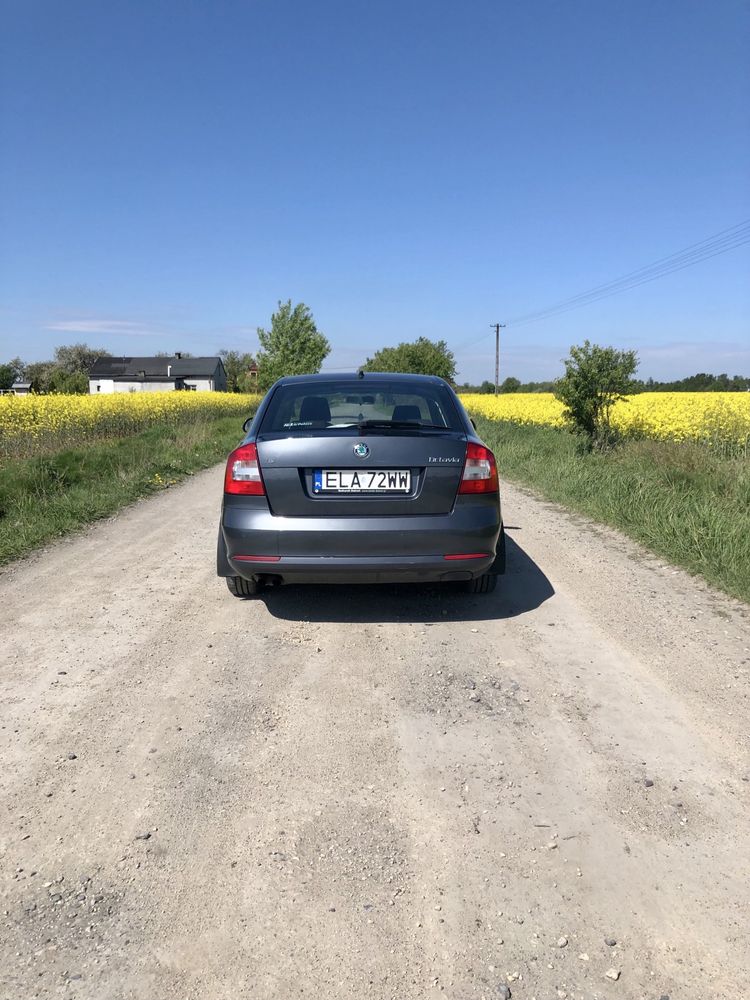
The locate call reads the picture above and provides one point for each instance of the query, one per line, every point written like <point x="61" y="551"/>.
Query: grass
<point x="48" y="496"/>
<point x="686" y="504"/>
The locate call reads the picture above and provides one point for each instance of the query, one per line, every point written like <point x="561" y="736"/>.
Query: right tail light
<point x="480" y="471"/>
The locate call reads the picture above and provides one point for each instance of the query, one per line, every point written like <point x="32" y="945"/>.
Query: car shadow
<point x="523" y="588"/>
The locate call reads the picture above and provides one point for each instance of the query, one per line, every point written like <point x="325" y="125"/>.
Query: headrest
<point x="406" y="412"/>
<point x="315" y="409"/>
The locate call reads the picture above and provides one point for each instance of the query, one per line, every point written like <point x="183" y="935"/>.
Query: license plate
<point x="361" y="481"/>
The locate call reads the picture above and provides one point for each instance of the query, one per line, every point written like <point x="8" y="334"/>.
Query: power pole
<point x="497" y="327"/>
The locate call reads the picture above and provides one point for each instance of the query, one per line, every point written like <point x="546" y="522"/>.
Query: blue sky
<point x="170" y="170"/>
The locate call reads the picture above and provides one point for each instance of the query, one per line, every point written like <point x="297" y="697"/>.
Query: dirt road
<point x="370" y="792"/>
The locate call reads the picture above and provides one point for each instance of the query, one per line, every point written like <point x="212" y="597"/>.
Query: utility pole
<point x="497" y="327"/>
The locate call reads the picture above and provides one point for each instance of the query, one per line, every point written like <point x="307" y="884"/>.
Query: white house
<point x="157" y="374"/>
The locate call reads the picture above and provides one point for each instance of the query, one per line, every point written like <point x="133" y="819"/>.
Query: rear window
<point x="378" y="403"/>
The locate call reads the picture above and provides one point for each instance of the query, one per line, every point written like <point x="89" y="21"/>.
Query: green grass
<point x="681" y="501"/>
<point x="49" y="496"/>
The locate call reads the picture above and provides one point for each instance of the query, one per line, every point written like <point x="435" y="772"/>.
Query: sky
<point x="172" y="169"/>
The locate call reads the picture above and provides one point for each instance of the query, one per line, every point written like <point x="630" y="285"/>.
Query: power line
<point x="711" y="247"/>
<point x="720" y="243"/>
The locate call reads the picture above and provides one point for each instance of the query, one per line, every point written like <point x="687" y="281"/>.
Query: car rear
<point x="360" y="479"/>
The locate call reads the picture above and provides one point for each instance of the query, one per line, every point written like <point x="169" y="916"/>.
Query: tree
<point x="40" y="373"/>
<point x="73" y="358"/>
<point x="7" y="376"/>
<point x="19" y="369"/>
<point x="595" y="379"/>
<point x="421" y="357"/>
<point x="510" y="384"/>
<point x="70" y="383"/>
<point x="293" y="345"/>
<point x="237" y="365"/>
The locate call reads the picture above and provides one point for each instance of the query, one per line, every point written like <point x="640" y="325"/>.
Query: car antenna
<point x="360" y="374"/>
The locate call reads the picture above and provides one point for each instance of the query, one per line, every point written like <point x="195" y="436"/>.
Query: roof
<point x="164" y="367"/>
<point x="361" y="377"/>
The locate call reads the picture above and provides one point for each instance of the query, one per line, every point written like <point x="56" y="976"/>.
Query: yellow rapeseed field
<point x="720" y="418"/>
<point x="32" y="425"/>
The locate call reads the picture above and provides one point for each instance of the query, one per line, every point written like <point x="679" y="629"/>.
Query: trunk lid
<point x="434" y="459"/>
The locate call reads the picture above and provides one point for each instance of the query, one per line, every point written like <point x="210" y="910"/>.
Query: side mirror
<point x="246" y="424"/>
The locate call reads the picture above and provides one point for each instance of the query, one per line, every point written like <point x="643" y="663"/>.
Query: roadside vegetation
<point x="75" y="472"/>
<point x="686" y="503"/>
<point x="720" y="421"/>
<point x="672" y="470"/>
<point x="36" y="425"/>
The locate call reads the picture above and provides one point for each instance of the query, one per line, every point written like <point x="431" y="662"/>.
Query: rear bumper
<point x="361" y="550"/>
<point x="370" y="569"/>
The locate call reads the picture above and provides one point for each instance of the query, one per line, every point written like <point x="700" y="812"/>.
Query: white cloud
<point x="687" y="350"/>
<point x="104" y="326"/>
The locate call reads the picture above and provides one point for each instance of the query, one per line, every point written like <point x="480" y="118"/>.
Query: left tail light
<point x="243" y="472"/>
<point x="480" y="471"/>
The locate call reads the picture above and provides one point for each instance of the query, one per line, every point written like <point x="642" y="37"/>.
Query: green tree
<point x="510" y="384"/>
<point x="73" y="358"/>
<point x="595" y="379"/>
<point x="420" y="357"/>
<point x="236" y="365"/>
<point x="19" y="369"/>
<point x="71" y="383"/>
<point x="40" y="373"/>
<point x="293" y="345"/>
<point x="7" y="376"/>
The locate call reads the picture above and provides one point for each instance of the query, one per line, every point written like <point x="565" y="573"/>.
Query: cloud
<point x="104" y="326"/>
<point x="676" y="349"/>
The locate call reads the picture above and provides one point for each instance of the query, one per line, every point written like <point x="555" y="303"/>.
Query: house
<point x="157" y="374"/>
<point x="20" y="388"/>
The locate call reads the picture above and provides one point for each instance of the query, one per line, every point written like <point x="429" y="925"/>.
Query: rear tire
<point x="481" y="584"/>
<point x="240" y="587"/>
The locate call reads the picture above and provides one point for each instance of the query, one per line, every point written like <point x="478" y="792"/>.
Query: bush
<point x="595" y="379"/>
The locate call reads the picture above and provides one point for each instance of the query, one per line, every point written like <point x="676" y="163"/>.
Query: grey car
<point x="360" y="478"/>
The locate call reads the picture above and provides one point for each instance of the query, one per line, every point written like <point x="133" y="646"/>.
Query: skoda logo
<point x="361" y="450"/>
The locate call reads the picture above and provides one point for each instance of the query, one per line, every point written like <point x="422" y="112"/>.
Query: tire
<point x="481" y="584"/>
<point x="242" y="588"/>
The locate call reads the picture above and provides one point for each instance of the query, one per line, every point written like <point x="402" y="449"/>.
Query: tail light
<point x="243" y="472"/>
<point x="480" y="471"/>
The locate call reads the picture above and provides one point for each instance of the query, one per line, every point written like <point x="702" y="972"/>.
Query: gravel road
<point x="370" y="792"/>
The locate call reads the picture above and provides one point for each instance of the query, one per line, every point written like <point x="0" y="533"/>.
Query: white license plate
<point x="361" y="481"/>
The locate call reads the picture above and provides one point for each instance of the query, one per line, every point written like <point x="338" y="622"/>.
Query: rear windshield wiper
<point x="399" y="425"/>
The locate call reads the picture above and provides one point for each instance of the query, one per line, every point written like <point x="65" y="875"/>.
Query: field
<point x="37" y="425"/>
<point x="718" y="419"/>
<point x="68" y="460"/>
<point x="686" y="501"/>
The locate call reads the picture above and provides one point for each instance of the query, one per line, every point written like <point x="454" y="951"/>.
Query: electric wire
<point x="720" y="243"/>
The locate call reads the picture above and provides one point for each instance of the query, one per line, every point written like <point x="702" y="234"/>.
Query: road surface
<point x="370" y="792"/>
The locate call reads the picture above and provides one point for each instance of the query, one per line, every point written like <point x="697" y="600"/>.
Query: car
<point x="360" y="478"/>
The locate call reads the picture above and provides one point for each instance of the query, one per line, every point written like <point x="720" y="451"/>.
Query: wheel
<point x="241" y="587"/>
<point x="481" y="584"/>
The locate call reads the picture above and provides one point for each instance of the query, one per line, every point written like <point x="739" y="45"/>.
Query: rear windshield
<point x="375" y="403"/>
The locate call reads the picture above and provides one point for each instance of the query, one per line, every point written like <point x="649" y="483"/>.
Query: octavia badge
<point x="361" y="450"/>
